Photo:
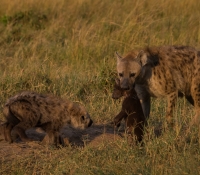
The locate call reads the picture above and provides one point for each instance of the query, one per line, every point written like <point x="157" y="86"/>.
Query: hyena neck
<point x="67" y="121"/>
<point x="145" y="75"/>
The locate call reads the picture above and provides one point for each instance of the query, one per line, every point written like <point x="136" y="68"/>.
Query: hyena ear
<point x="142" y="58"/>
<point x="117" y="81"/>
<point x="118" y="56"/>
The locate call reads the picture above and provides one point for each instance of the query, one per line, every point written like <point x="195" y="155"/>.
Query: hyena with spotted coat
<point x="166" y="71"/>
<point x="30" y="109"/>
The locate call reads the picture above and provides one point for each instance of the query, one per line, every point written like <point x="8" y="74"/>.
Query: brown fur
<point x="165" y="71"/>
<point x="30" y="109"/>
<point x="131" y="111"/>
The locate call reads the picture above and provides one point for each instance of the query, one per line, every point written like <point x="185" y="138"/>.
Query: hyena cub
<point x="165" y="71"/>
<point x="131" y="112"/>
<point x="30" y="109"/>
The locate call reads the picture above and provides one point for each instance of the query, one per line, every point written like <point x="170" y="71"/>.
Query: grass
<point x="67" y="48"/>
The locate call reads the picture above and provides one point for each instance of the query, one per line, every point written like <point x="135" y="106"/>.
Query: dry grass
<point x="67" y="48"/>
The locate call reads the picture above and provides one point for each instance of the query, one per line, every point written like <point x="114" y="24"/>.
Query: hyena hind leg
<point x="190" y="99"/>
<point x="20" y="128"/>
<point x="6" y="130"/>
<point x="196" y="97"/>
<point x="171" y="103"/>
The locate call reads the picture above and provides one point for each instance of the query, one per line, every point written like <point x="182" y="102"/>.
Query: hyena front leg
<point x="52" y="136"/>
<point x="145" y="99"/>
<point x="119" y="117"/>
<point x="171" y="103"/>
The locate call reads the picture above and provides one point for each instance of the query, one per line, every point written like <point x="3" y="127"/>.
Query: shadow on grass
<point x="93" y="136"/>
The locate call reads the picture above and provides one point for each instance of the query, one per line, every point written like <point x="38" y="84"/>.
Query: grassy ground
<point x="66" y="47"/>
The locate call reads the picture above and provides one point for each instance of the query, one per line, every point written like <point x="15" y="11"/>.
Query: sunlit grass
<point x="67" y="48"/>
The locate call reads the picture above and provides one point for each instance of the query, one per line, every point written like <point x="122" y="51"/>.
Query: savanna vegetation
<point x="66" y="47"/>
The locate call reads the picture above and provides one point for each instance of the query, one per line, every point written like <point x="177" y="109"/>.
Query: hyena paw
<point x="116" y="123"/>
<point x="64" y="141"/>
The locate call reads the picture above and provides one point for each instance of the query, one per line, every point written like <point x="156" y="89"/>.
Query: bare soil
<point x="93" y="136"/>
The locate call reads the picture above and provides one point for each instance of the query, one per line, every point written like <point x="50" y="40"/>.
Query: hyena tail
<point x="10" y="117"/>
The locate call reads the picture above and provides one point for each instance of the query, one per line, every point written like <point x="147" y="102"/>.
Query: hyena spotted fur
<point x="30" y="109"/>
<point x="165" y="71"/>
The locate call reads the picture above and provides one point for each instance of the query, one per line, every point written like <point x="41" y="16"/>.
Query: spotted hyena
<point x="51" y="113"/>
<point x="131" y="112"/>
<point x="165" y="71"/>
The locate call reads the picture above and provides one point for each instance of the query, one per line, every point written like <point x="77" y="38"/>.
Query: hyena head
<point x="129" y="68"/>
<point x="79" y="116"/>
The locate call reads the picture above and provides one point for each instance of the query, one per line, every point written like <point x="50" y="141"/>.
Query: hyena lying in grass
<point x="29" y="109"/>
<point x="131" y="112"/>
<point x="165" y="71"/>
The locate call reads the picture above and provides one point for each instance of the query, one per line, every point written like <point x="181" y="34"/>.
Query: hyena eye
<point x="82" y="117"/>
<point x="120" y="74"/>
<point x="132" y="74"/>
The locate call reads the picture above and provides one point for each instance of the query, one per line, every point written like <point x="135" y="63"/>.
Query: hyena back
<point x="166" y="71"/>
<point x="30" y="109"/>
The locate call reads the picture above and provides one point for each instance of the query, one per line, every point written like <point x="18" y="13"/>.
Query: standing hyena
<point x="162" y="71"/>
<point x="30" y="109"/>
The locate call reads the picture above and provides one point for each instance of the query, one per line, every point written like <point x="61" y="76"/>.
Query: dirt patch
<point x="93" y="136"/>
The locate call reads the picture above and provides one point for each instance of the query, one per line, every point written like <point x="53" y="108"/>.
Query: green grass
<point x="67" y="48"/>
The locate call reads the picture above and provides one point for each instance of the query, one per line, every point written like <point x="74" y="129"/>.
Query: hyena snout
<point x="87" y="121"/>
<point x="124" y="84"/>
<point x="90" y="123"/>
<point x="81" y="122"/>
